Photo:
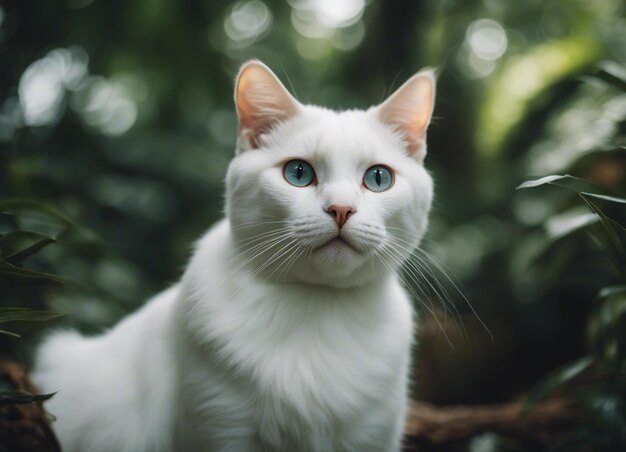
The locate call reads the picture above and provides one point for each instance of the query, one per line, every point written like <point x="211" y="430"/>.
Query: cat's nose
<point x="340" y="213"/>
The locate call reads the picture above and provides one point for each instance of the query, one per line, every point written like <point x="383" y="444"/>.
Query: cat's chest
<point x="313" y="352"/>
<point x="297" y="366"/>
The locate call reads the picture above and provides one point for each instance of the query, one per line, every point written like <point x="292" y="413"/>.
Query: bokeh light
<point x="324" y="25"/>
<point x="109" y="105"/>
<point x="43" y="84"/>
<point x="327" y="14"/>
<point x="247" y="21"/>
<point x="487" y="39"/>
<point x="485" y="42"/>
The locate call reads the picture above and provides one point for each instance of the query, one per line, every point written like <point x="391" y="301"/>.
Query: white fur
<point x="271" y="341"/>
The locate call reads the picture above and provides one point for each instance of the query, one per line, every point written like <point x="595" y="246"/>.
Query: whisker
<point x="288" y="267"/>
<point x="280" y="253"/>
<point x="263" y="247"/>
<point x="282" y="265"/>
<point x="440" y="291"/>
<point x="267" y="263"/>
<point x="422" y="300"/>
<point x="248" y="241"/>
<point x="256" y="224"/>
<point x="418" y="275"/>
<point x="438" y="266"/>
<point x="420" y="272"/>
<point x="446" y="296"/>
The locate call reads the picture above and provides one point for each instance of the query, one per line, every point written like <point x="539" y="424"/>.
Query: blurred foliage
<point x="25" y="229"/>
<point x="119" y="114"/>
<point x="606" y="330"/>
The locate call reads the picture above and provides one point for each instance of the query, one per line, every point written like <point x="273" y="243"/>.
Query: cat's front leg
<point x="383" y="423"/>
<point x="397" y="431"/>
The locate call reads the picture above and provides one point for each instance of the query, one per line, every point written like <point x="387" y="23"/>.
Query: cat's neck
<point x="219" y="267"/>
<point x="221" y="296"/>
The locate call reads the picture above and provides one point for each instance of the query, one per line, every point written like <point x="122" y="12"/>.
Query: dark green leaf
<point x="605" y="197"/>
<point x="13" y="270"/>
<point x="22" y="235"/>
<point x="13" y="205"/>
<point x="25" y="314"/>
<point x="566" y="181"/>
<point x="613" y="230"/>
<point x="19" y="397"/>
<point x="18" y="257"/>
<point x="8" y="333"/>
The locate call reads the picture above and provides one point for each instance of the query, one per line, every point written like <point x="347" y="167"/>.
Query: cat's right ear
<point x="262" y="101"/>
<point x="409" y="111"/>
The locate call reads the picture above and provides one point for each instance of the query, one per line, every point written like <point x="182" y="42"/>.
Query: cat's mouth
<point x="338" y="242"/>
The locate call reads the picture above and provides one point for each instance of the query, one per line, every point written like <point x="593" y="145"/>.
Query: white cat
<point x="289" y="330"/>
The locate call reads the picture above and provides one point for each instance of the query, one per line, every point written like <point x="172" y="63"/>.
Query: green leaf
<point x="22" y="235"/>
<point x="538" y="182"/>
<point x="613" y="73"/>
<point x="7" y="268"/>
<point x="566" y="181"/>
<point x="13" y="205"/>
<point x="606" y="292"/>
<point x="20" y="397"/>
<point x="554" y="380"/>
<point x="19" y="256"/>
<point x="568" y="222"/>
<point x="8" y="333"/>
<point x="614" y="233"/>
<point x="605" y="197"/>
<point x="26" y="314"/>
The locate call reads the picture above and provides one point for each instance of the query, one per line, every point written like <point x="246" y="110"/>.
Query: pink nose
<point x="341" y="213"/>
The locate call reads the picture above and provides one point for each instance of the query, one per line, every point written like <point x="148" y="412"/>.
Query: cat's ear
<point x="409" y="110"/>
<point x="262" y="101"/>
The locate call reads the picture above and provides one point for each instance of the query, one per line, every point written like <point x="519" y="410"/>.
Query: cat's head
<point x="324" y="197"/>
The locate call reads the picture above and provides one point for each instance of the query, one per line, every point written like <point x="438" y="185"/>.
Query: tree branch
<point x="441" y="425"/>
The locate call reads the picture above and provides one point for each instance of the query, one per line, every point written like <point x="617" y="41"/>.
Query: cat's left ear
<point x="262" y="101"/>
<point x="409" y="110"/>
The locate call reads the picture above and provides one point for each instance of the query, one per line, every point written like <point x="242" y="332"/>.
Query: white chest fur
<point x="301" y="364"/>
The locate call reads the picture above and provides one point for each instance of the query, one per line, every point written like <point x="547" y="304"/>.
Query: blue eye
<point x="298" y="173"/>
<point x="378" y="178"/>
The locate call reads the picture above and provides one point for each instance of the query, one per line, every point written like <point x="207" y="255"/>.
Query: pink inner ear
<point x="257" y="115"/>
<point x="262" y="101"/>
<point x="409" y="110"/>
<point x="414" y="141"/>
